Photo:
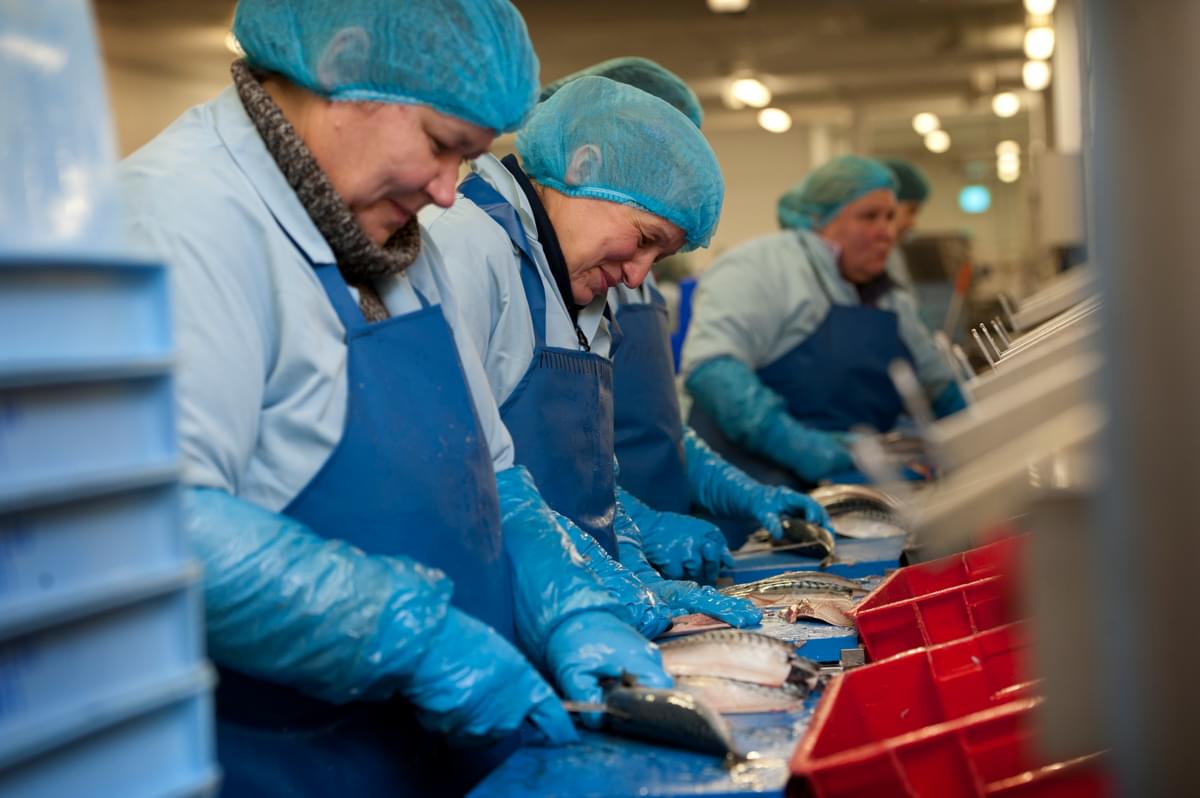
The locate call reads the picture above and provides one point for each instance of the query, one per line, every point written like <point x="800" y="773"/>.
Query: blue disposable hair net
<point x="605" y="140"/>
<point x="644" y="74"/>
<point x="470" y="59"/>
<point x="913" y="184"/>
<point x="814" y="201"/>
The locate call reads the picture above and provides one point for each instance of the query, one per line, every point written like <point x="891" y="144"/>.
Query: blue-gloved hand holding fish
<point x="592" y="646"/>
<point x="678" y="546"/>
<point x="683" y="597"/>
<point x="641" y="609"/>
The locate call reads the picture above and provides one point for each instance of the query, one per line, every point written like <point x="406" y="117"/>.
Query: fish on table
<point x="859" y="511"/>
<point x="673" y="717"/>
<point x="835" y="610"/>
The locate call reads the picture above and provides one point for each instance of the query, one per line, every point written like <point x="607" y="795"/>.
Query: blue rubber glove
<point x="595" y="645"/>
<point x="949" y="401"/>
<point x="725" y="490"/>
<point x="678" y="546"/>
<point x="755" y="417"/>
<point x="551" y="580"/>
<point x="322" y="616"/>
<point x="642" y="609"/>
<point x="683" y="597"/>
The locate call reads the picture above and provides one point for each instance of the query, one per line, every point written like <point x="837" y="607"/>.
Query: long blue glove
<point x="949" y="401"/>
<point x="752" y="415"/>
<point x="683" y="597"/>
<point x="551" y="581"/>
<point x="725" y="490"/>
<point x="595" y="645"/>
<point x="642" y="609"/>
<point x="678" y="546"/>
<point x="322" y="616"/>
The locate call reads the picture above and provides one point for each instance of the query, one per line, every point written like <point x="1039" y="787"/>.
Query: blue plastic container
<point x="154" y="744"/>
<point x="59" y="314"/>
<point x="57" y="435"/>
<point x="77" y="654"/>
<point x="62" y="548"/>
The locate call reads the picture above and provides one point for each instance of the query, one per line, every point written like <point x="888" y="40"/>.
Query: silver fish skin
<point x="732" y="697"/>
<point x="797" y="582"/>
<point x="740" y="655"/>
<point x="672" y="717"/>
<point x="867" y="524"/>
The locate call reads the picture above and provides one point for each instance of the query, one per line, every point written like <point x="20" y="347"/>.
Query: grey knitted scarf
<point x="360" y="261"/>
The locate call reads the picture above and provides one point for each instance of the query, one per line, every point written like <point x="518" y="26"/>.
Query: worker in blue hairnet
<point x="792" y="333"/>
<point x="912" y="192"/>
<point x="663" y="462"/>
<point x="380" y="578"/>
<point x="606" y="180"/>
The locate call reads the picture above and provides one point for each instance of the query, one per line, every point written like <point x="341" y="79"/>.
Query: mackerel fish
<point x="777" y="588"/>
<point x="733" y="697"/>
<point x="741" y="656"/>
<point x="673" y="717"/>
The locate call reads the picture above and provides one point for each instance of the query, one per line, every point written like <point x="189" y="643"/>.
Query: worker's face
<point x="906" y="218"/>
<point x="605" y="243"/>
<point x="387" y="161"/>
<point x="865" y="232"/>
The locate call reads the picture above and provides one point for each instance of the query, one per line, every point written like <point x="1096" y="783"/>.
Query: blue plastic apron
<point x="561" y="413"/>
<point x="411" y="476"/>
<point x="649" y="426"/>
<point x="832" y="380"/>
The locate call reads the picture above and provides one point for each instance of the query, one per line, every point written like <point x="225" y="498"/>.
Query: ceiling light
<point x="1006" y="104"/>
<point x="736" y="6"/>
<point x="937" y="141"/>
<point x="1007" y="147"/>
<point x="925" y="122"/>
<point x="1039" y="8"/>
<point x="1008" y="171"/>
<point x="1008" y="162"/>
<point x="974" y="199"/>
<point x="1035" y="75"/>
<point x="776" y="120"/>
<point x="1039" y="43"/>
<point x="233" y="45"/>
<point x="751" y="92"/>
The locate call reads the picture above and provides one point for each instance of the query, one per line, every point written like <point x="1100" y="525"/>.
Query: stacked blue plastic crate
<point x="104" y="690"/>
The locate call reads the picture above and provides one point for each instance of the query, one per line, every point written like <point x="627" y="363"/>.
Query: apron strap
<point x="500" y="211"/>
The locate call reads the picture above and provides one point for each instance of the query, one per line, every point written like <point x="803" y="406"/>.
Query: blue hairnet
<point x="644" y="74"/>
<point x="913" y="184"/>
<point x="605" y="140"/>
<point x="470" y="59"/>
<point x="814" y="201"/>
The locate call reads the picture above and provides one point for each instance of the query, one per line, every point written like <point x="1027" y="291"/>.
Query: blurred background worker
<point x="793" y="332"/>
<point x="373" y="562"/>
<point x="663" y="463"/>
<point x="912" y="191"/>
<point x="606" y="180"/>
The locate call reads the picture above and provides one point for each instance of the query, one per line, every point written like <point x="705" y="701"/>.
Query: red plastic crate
<point x="940" y="601"/>
<point x="948" y="721"/>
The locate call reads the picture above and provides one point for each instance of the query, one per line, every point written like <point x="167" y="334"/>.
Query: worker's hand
<point x="688" y="597"/>
<point x="473" y="686"/>
<point x="640" y="608"/>
<point x="682" y="597"/>
<point x="770" y="504"/>
<point x="594" y="645"/>
<point x="682" y="547"/>
<point x="812" y="453"/>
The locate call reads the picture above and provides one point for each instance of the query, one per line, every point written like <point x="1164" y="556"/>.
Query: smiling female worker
<point x="370" y="580"/>
<point x="609" y="179"/>
<point x="663" y="462"/>
<point x="792" y="333"/>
